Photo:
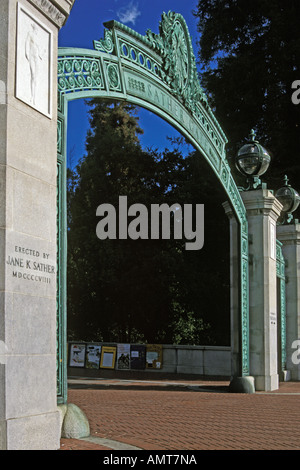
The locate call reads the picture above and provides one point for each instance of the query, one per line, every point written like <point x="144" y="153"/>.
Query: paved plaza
<point x="184" y="414"/>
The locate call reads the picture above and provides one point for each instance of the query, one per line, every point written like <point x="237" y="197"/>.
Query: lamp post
<point x="263" y="210"/>
<point x="252" y="161"/>
<point x="290" y="199"/>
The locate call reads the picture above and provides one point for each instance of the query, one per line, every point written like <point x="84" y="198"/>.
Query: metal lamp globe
<point x="290" y="200"/>
<point x="252" y="161"/>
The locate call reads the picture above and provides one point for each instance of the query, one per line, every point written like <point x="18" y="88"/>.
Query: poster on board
<point x="123" y="356"/>
<point x="77" y="355"/>
<point x="93" y="353"/>
<point x="108" y="357"/>
<point x="137" y="356"/>
<point x="153" y="356"/>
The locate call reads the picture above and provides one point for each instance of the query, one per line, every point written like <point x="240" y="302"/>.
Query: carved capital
<point x="261" y="202"/>
<point x="229" y="210"/>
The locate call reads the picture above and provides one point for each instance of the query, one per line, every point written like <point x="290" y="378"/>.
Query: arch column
<point x="263" y="210"/>
<point x="289" y="236"/>
<point x="29" y="418"/>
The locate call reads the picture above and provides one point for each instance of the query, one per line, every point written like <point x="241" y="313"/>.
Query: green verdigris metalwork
<point x="157" y="72"/>
<point x="280" y="272"/>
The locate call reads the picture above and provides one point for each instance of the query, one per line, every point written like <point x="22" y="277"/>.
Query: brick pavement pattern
<point x="163" y="416"/>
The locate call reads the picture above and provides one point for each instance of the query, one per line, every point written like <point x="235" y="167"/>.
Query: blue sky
<point x="85" y="24"/>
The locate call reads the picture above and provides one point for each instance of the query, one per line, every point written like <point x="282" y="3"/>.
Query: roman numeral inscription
<point x="30" y="265"/>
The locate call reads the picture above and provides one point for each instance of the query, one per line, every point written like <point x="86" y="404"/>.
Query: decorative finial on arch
<point x="252" y="135"/>
<point x="106" y="44"/>
<point x="179" y="63"/>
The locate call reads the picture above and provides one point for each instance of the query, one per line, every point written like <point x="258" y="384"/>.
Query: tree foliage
<point x="143" y="290"/>
<point x="250" y="56"/>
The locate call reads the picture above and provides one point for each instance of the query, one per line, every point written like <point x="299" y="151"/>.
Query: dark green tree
<point x="117" y="290"/>
<point x="249" y="52"/>
<point x="143" y="290"/>
<point x="203" y="276"/>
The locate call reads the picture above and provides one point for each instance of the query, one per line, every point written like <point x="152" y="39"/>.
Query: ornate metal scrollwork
<point x="79" y="73"/>
<point x="106" y="44"/>
<point x="179" y="65"/>
<point x="113" y="76"/>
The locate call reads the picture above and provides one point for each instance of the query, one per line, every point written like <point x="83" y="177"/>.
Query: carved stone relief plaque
<point x="34" y="62"/>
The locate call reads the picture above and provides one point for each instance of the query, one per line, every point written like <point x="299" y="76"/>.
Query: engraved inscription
<point x="49" y="9"/>
<point x="169" y="104"/>
<point x="134" y="84"/>
<point x="30" y="265"/>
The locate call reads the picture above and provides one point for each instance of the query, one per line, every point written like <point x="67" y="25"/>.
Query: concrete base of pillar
<point x="242" y="385"/>
<point x="285" y="376"/>
<point x="267" y="383"/>
<point x="40" y="432"/>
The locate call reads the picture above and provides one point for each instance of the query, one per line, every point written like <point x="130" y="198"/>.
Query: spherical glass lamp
<point x="252" y="160"/>
<point x="290" y="200"/>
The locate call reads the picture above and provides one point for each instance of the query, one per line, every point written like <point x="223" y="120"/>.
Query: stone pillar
<point x="28" y="142"/>
<point x="289" y="235"/>
<point x="263" y="210"/>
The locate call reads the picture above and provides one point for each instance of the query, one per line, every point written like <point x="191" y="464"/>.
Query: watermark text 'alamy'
<point x="296" y="94"/>
<point x="133" y="222"/>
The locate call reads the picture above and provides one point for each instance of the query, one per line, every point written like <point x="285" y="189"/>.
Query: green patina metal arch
<point x="281" y="281"/>
<point x="157" y="72"/>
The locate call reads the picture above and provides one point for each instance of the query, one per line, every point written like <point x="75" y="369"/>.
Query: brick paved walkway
<point x="185" y="415"/>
